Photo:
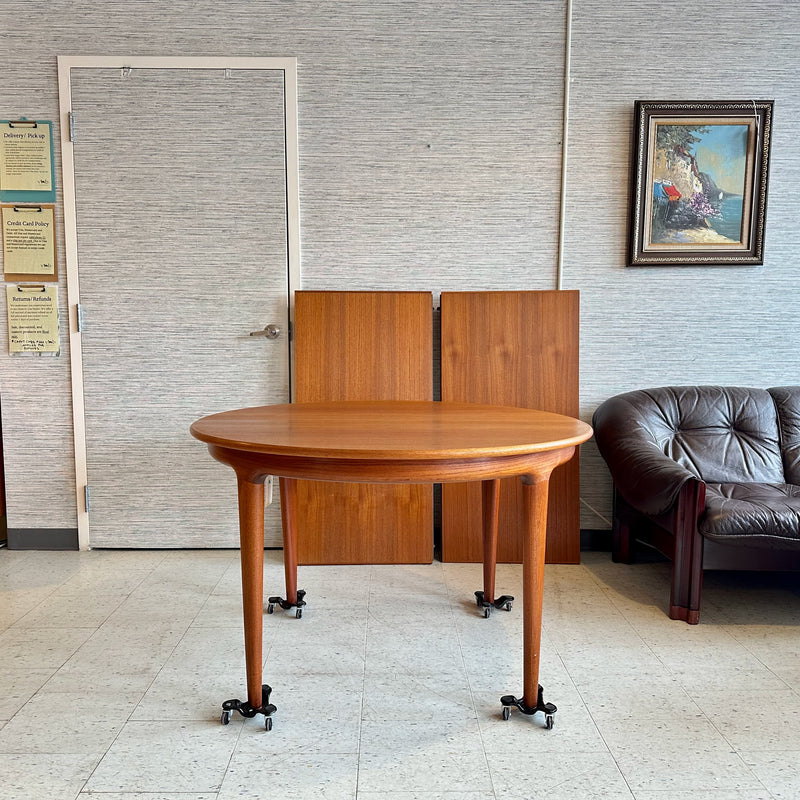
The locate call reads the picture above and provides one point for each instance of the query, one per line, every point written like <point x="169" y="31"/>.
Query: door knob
<point x="270" y="332"/>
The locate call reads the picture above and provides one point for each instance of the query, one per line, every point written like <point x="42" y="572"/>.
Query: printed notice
<point x="29" y="241"/>
<point x="25" y="162"/>
<point x="32" y="319"/>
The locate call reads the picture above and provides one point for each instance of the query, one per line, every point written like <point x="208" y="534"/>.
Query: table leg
<point x="534" y="499"/>
<point x="251" y="532"/>
<point x="294" y="596"/>
<point x="535" y="515"/>
<point x="251" y="535"/>
<point x="490" y="511"/>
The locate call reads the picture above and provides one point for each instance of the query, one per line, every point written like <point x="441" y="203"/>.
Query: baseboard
<point x="67" y="539"/>
<point x="42" y="538"/>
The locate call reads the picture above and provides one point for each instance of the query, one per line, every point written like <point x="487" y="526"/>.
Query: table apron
<point x="256" y="467"/>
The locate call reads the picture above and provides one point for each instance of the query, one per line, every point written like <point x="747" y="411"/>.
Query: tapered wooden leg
<point x="294" y="596"/>
<point x="288" y="488"/>
<point x="490" y="508"/>
<point x="251" y="534"/>
<point x="534" y="498"/>
<point x="534" y="513"/>
<point x="490" y="511"/>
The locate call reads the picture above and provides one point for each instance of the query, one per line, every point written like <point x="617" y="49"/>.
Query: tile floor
<point x="113" y="666"/>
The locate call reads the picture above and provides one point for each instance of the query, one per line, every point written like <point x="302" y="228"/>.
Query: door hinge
<point x="79" y="317"/>
<point x="71" y="120"/>
<point x="86" y="498"/>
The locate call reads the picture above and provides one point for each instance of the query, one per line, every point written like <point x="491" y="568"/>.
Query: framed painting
<point x="699" y="183"/>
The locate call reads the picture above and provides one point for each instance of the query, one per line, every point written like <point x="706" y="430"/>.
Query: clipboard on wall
<point x="32" y="320"/>
<point x="28" y="235"/>
<point x="27" y="163"/>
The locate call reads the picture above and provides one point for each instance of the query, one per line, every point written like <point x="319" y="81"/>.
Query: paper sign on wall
<point x="32" y="319"/>
<point x="29" y="242"/>
<point x="26" y="161"/>
<point x="25" y="157"/>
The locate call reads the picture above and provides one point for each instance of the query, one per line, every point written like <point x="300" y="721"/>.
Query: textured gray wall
<point x="659" y="326"/>
<point x="430" y="149"/>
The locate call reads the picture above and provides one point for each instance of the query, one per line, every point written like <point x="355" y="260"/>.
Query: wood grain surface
<point x="390" y="442"/>
<point x="515" y="349"/>
<point x="390" y="430"/>
<point x="363" y="346"/>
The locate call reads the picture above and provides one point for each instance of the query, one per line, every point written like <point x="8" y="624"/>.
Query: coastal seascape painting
<point x="699" y="182"/>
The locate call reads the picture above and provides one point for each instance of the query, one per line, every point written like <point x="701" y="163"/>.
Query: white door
<point x="182" y="184"/>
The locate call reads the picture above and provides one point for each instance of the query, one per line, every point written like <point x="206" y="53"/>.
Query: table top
<point x="390" y="430"/>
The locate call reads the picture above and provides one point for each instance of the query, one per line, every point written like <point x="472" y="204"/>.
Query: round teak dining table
<point x="390" y="442"/>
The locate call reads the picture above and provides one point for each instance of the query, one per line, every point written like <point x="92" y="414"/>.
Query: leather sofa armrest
<point x="648" y="480"/>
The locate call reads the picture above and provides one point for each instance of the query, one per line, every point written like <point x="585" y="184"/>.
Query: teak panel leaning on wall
<point x="363" y="346"/>
<point x="512" y="349"/>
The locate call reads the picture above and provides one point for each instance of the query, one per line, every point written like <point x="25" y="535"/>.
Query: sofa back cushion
<point x="787" y="404"/>
<point x="720" y="434"/>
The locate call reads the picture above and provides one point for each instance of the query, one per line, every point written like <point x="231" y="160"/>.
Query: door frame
<point x="65" y="64"/>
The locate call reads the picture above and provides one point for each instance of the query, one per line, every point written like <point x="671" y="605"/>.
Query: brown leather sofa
<point x="709" y="475"/>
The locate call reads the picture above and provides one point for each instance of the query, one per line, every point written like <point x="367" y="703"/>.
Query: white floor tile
<point x="426" y="795"/>
<point x="332" y="595"/>
<point x="309" y="722"/>
<point x="57" y="777"/>
<point x="16" y="603"/>
<point x="721" y="794"/>
<point x="573" y="728"/>
<point x="80" y="610"/>
<point x="114" y="659"/>
<point x="685" y="768"/>
<point x="220" y="611"/>
<point x="763" y="720"/>
<point x="345" y="628"/>
<point x="778" y="772"/>
<point x="114" y="667"/>
<point x="403" y="696"/>
<point x="413" y="650"/>
<point x="190" y="694"/>
<point x="553" y="776"/>
<point x="284" y="664"/>
<point x="436" y="755"/>
<point x="41" y="648"/>
<point x="695" y="666"/>
<point x="166" y="757"/>
<point x="58" y="722"/>
<point x="17" y="686"/>
<point x="291" y="776"/>
<point x="148" y="796"/>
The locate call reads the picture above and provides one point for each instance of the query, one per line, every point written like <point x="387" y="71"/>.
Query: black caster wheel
<point x="298" y="614"/>
<point x="507" y="606"/>
<point x="486" y="612"/>
<point x="248" y="711"/>
<point x="270" y="608"/>
<point x="548" y="709"/>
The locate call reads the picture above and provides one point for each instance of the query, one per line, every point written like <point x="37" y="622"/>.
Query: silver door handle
<point x="270" y="332"/>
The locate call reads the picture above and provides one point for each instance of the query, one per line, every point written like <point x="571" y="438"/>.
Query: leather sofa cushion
<point x="761" y="514"/>
<point x="787" y="404"/>
<point x="721" y="434"/>
<point x="655" y="440"/>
